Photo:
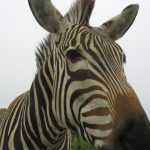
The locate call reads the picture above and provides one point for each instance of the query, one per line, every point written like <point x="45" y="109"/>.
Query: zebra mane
<point x="79" y="13"/>
<point x="43" y="50"/>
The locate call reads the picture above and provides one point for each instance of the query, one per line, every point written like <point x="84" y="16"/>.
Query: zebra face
<point x="100" y="100"/>
<point x="96" y="100"/>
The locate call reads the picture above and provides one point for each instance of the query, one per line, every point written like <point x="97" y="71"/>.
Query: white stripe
<point x="99" y="133"/>
<point x="96" y="103"/>
<point x="101" y="120"/>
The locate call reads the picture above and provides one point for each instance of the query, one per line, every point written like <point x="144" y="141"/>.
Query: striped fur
<point x="2" y="113"/>
<point x="80" y="86"/>
<point x="79" y="13"/>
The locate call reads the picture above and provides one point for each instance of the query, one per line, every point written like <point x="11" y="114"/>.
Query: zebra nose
<point x="134" y="135"/>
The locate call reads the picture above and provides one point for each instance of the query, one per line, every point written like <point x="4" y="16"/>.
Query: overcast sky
<point x="20" y="34"/>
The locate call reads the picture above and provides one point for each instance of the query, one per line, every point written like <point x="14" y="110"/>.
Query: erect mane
<point x="79" y="13"/>
<point x="43" y="50"/>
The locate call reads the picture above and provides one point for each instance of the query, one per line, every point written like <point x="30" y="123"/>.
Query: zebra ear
<point x="48" y="16"/>
<point x="117" y="26"/>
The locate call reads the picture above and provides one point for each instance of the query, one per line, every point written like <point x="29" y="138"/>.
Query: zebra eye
<point x="74" y="56"/>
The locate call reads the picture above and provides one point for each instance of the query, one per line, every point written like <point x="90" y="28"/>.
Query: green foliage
<point x="80" y="144"/>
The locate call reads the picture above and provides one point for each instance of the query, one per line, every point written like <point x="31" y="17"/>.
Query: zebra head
<point x="92" y="95"/>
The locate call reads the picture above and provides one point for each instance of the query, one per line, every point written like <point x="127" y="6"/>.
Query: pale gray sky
<point x="20" y="34"/>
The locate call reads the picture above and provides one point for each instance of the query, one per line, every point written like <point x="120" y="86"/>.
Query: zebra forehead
<point x="77" y="35"/>
<point x="73" y="37"/>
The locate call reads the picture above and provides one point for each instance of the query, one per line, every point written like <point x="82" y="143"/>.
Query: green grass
<point x="82" y="145"/>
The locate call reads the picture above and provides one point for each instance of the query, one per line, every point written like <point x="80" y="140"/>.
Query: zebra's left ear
<point x="118" y="25"/>
<point x="48" y="16"/>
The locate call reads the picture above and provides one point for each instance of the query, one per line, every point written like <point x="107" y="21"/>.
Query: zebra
<point x="2" y="113"/>
<point x="80" y="86"/>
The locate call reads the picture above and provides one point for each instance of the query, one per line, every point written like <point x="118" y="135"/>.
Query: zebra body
<point x="2" y="113"/>
<point x="25" y="131"/>
<point x="80" y="85"/>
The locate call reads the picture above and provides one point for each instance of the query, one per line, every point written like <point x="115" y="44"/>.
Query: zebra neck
<point x="43" y="116"/>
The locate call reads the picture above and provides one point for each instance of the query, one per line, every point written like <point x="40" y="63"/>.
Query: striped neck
<point x="43" y="112"/>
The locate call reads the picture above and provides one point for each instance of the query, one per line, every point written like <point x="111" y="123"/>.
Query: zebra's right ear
<point x="48" y="16"/>
<point x="118" y="25"/>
